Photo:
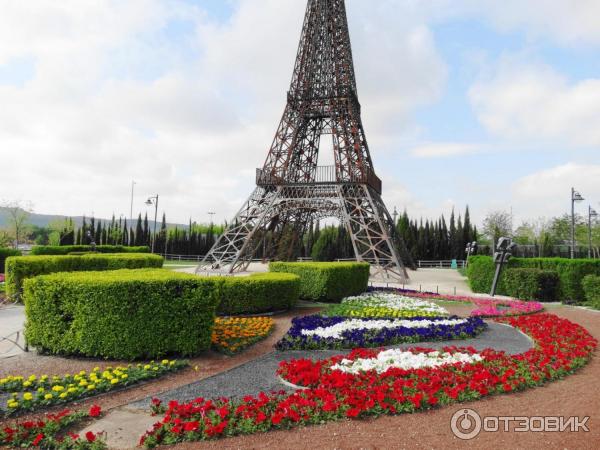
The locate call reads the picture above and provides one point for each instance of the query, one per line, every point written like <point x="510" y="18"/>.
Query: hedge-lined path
<point x="576" y="395"/>
<point x="209" y="363"/>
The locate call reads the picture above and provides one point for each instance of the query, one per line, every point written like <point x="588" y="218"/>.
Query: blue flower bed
<point x="362" y="338"/>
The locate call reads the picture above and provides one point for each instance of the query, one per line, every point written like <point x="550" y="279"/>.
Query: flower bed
<point x="33" y="392"/>
<point x="380" y="304"/>
<point x="561" y="348"/>
<point x="46" y="433"/>
<point x="486" y="306"/>
<point x="234" y="334"/>
<point x="317" y="332"/>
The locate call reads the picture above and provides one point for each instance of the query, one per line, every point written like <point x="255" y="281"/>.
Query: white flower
<point x="336" y="331"/>
<point x="394" y="301"/>
<point x="404" y="360"/>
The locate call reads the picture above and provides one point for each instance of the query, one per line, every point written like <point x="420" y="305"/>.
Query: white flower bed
<point x="336" y="331"/>
<point x="395" y="301"/>
<point x="404" y="360"/>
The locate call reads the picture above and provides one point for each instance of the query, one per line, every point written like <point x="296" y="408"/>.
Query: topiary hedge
<point x="66" y="249"/>
<point x="258" y="293"/>
<point x="124" y="314"/>
<point x="532" y="284"/>
<point x="5" y="253"/>
<point x="591" y="288"/>
<point x="328" y="281"/>
<point x="570" y="272"/>
<point x="20" y="267"/>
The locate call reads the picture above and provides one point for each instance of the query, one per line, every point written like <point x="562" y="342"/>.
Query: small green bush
<point x="67" y="249"/>
<point x="258" y="293"/>
<point x="591" y="287"/>
<point x="570" y="272"/>
<point x="480" y="272"/>
<point x="20" y="267"/>
<point x="124" y="314"/>
<point x="328" y="281"/>
<point x="5" y="253"/>
<point x="532" y="284"/>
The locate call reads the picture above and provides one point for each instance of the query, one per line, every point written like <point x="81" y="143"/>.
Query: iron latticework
<point x="292" y="190"/>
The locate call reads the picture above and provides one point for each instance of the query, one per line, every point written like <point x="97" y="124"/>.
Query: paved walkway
<point x="12" y="319"/>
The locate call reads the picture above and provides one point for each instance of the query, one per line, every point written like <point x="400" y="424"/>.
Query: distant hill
<point x="42" y="220"/>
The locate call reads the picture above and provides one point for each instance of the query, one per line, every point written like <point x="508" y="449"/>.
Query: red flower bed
<point x="561" y="348"/>
<point x="45" y="433"/>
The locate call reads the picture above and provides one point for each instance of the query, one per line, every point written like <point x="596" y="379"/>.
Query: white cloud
<point x="547" y="193"/>
<point x="534" y="102"/>
<point x="444" y="150"/>
<point x="114" y="97"/>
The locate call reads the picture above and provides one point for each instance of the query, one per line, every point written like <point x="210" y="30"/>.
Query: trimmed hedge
<point x="124" y="314"/>
<point x="258" y="293"/>
<point x="328" y="281"/>
<point x="532" y="284"/>
<point x="570" y="272"/>
<point x="66" y="249"/>
<point x="591" y="287"/>
<point x="5" y="253"/>
<point x="20" y="267"/>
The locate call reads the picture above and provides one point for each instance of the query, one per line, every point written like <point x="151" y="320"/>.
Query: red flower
<point x="38" y="439"/>
<point x="90" y="436"/>
<point x="95" y="411"/>
<point x="191" y="426"/>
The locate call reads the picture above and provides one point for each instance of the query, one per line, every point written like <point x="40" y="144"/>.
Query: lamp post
<point x="575" y="197"/>
<point x="501" y="257"/>
<point x="395" y="216"/>
<point x="591" y="213"/>
<point x="150" y="201"/>
<point x="131" y="210"/>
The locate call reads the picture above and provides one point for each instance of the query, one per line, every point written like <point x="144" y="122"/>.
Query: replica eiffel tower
<point x="291" y="189"/>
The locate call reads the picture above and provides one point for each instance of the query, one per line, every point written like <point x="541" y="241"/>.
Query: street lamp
<point x="150" y="201"/>
<point x="470" y="250"/>
<point x="575" y="197"/>
<point x="211" y="214"/>
<point x="591" y="213"/>
<point x="501" y="256"/>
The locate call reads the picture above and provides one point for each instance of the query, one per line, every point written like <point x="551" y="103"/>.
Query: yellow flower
<point x="91" y="387"/>
<point x="27" y="396"/>
<point x="114" y="381"/>
<point x="13" y="404"/>
<point x="32" y="377"/>
<point x="71" y="390"/>
<point x="57" y="388"/>
<point x="83" y="383"/>
<point x="27" y="384"/>
<point x="124" y="376"/>
<point x="41" y="389"/>
<point x="63" y="395"/>
<point x="48" y="396"/>
<point x="147" y="367"/>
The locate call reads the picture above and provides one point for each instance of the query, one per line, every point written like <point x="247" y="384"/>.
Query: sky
<point x="479" y="102"/>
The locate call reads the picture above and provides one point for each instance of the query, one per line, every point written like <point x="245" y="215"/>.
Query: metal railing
<point x="441" y="264"/>
<point x="321" y="175"/>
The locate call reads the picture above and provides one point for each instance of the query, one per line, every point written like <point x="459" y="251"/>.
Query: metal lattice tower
<point x="291" y="188"/>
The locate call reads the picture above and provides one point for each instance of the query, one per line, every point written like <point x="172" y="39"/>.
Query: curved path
<point x="260" y="374"/>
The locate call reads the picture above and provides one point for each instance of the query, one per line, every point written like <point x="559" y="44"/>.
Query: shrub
<point x="329" y="281"/>
<point x="20" y="267"/>
<point x="532" y="284"/>
<point x="126" y="314"/>
<point x="66" y="249"/>
<point x="258" y="293"/>
<point x="591" y="287"/>
<point x="5" y="253"/>
<point x="480" y="272"/>
<point x="570" y="272"/>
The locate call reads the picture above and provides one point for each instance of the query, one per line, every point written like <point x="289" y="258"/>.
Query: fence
<point x="442" y="264"/>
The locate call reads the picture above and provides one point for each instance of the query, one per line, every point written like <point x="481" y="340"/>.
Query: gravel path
<point x="259" y="374"/>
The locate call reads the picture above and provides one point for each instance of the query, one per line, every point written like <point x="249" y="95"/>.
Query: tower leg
<point x="370" y="228"/>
